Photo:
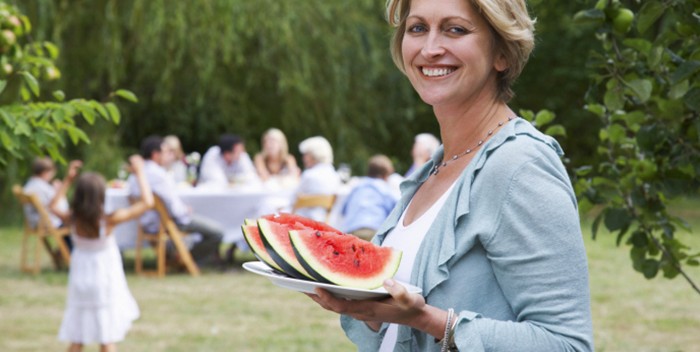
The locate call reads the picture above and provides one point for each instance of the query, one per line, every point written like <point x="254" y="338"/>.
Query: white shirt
<point x="408" y="240"/>
<point x="214" y="170"/>
<point x="163" y="185"/>
<point x="45" y="192"/>
<point x="318" y="179"/>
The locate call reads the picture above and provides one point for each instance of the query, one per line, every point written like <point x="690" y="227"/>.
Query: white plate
<point x="291" y="283"/>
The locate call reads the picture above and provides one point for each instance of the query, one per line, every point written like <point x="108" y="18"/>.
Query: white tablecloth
<point x="229" y="207"/>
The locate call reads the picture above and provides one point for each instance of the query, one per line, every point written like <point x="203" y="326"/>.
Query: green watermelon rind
<point x="275" y="249"/>
<point x="309" y="260"/>
<point x="260" y="253"/>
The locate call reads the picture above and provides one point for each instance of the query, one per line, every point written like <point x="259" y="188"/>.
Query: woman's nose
<point x="433" y="45"/>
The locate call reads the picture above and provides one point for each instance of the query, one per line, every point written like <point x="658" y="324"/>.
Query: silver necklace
<point x="436" y="169"/>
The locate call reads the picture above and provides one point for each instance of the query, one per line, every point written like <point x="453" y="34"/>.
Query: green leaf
<point x="616" y="133"/>
<point x="6" y="140"/>
<point x="52" y="49"/>
<point x="590" y="16"/>
<point x="128" y="95"/>
<point x="59" y="95"/>
<point x="114" y="112"/>
<point x="528" y="115"/>
<point x="100" y="109"/>
<point x="3" y="84"/>
<point x="597" y="109"/>
<point x="22" y="128"/>
<point x="76" y="135"/>
<point x="650" y="267"/>
<point x="684" y="71"/>
<point x="641" y="88"/>
<point x="31" y="82"/>
<point x="617" y="219"/>
<point x="692" y="99"/>
<point x="556" y="130"/>
<point x="614" y="100"/>
<point x="641" y="45"/>
<point x="596" y="225"/>
<point x="543" y="117"/>
<point x="650" y="13"/>
<point x="86" y="110"/>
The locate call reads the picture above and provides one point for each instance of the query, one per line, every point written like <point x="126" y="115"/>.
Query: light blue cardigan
<point x="506" y="252"/>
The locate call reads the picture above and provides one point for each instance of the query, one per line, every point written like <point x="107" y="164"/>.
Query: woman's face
<point x="448" y="51"/>
<point x="272" y="146"/>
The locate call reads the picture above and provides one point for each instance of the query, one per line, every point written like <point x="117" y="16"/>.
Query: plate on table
<point x="288" y="282"/>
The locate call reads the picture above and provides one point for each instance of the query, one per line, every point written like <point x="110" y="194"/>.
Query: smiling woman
<point x="489" y="227"/>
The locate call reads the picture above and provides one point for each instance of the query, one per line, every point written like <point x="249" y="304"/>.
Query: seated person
<point x="175" y="158"/>
<point x="370" y="201"/>
<point x="424" y="145"/>
<point x="274" y="161"/>
<point x="227" y="163"/>
<point x="319" y="176"/>
<point x="44" y="186"/>
<point x="204" y="252"/>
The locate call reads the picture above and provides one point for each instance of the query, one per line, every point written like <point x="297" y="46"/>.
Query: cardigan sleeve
<point x="538" y="258"/>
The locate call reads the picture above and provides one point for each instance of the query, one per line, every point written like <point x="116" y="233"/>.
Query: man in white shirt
<point x="204" y="252"/>
<point x="227" y="163"/>
<point x="319" y="176"/>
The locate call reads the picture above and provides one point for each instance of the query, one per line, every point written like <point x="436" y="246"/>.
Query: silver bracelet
<point x="448" y="328"/>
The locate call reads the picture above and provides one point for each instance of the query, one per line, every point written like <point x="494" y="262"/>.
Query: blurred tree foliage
<point x="35" y="118"/>
<point x="309" y="67"/>
<point x="646" y="93"/>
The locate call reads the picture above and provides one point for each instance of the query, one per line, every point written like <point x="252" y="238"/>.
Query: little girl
<point x="99" y="307"/>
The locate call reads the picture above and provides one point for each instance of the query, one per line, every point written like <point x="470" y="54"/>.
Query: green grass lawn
<point x="239" y="311"/>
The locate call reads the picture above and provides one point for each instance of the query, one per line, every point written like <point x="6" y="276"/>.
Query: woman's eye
<point x="416" y="28"/>
<point x="457" y="30"/>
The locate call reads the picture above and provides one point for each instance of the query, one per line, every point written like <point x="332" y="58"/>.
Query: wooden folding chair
<point x="43" y="231"/>
<point x="324" y="201"/>
<point x="166" y="231"/>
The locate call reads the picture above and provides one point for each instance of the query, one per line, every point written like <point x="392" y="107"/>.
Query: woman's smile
<point x="437" y="71"/>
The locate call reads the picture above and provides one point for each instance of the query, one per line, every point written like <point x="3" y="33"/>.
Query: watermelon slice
<point x="344" y="260"/>
<point x="296" y="222"/>
<point x="275" y="237"/>
<point x="251" y="233"/>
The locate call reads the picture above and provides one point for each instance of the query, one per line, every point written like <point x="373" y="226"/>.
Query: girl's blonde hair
<point x="510" y="22"/>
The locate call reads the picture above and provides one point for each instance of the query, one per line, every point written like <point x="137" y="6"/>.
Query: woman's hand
<point x="402" y="307"/>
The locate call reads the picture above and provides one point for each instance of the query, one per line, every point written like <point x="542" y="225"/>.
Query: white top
<point x="318" y="179"/>
<point x="46" y="192"/>
<point x="408" y="239"/>
<point x="216" y="172"/>
<point x="163" y="185"/>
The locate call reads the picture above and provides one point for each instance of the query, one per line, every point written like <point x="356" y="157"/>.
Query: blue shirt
<point x="506" y="252"/>
<point x="368" y="205"/>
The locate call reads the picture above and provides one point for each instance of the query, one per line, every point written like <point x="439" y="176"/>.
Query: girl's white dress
<point x="99" y="307"/>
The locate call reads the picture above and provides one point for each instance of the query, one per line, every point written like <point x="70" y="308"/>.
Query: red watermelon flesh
<point x="275" y="237"/>
<point x="344" y="260"/>
<point x="251" y="233"/>
<point x="296" y="222"/>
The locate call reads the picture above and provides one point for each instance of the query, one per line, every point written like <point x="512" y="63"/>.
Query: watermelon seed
<point x="335" y="253"/>
<point x="362" y="249"/>
<point x="318" y="233"/>
<point x="356" y="262"/>
<point x="353" y="248"/>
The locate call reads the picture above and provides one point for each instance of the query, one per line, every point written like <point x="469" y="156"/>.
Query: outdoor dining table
<point x="228" y="207"/>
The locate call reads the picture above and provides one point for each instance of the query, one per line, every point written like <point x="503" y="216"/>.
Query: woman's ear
<point x="500" y="63"/>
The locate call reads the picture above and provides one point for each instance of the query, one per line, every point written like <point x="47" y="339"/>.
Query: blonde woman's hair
<point x="277" y="134"/>
<point x="510" y="22"/>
